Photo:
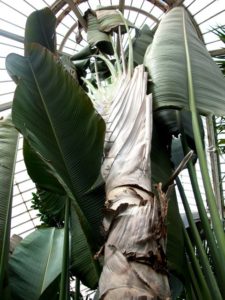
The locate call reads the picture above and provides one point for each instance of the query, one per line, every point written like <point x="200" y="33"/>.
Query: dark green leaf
<point x="83" y="249"/>
<point x="58" y="120"/>
<point x="40" y="28"/>
<point x="39" y="170"/>
<point x="36" y="263"/>
<point x="140" y="44"/>
<point x="85" y="53"/>
<point x="69" y="138"/>
<point x="95" y="37"/>
<point x="52" y="291"/>
<point x="69" y="66"/>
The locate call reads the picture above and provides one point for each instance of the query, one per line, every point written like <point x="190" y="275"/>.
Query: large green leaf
<point x="57" y="119"/>
<point x="95" y="37"/>
<point x="83" y="249"/>
<point x="85" y="231"/>
<point x="53" y="197"/>
<point x="36" y="263"/>
<point x="166" y="61"/>
<point x="8" y="150"/>
<point x="39" y="170"/>
<point x="52" y="291"/>
<point x="67" y="143"/>
<point x="140" y="44"/>
<point x="92" y="207"/>
<point x="83" y="54"/>
<point x="40" y="28"/>
<point x="109" y="20"/>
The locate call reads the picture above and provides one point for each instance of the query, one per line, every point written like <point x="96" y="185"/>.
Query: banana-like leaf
<point x="85" y="53"/>
<point x="58" y="120"/>
<point x="85" y="237"/>
<point x="8" y="150"/>
<point x="95" y="37"/>
<point x="40" y="28"/>
<point x="93" y="203"/>
<point x="110" y="20"/>
<point x="52" y="291"/>
<point x="53" y="195"/>
<point x="52" y="205"/>
<point x="36" y="263"/>
<point x="166" y="62"/>
<point x="68" y="139"/>
<point x="141" y="43"/>
<point x="39" y="171"/>
<point x="69" y="66"/>
<point x="83" y="264"/>
<point x="50" y="197"/>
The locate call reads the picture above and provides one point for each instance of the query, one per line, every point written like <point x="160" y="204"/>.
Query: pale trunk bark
<point x="134" y="253"/>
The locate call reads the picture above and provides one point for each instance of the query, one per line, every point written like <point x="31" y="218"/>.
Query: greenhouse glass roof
<point x="207" y="14"/>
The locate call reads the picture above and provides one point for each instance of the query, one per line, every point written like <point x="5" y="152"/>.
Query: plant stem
<point x="118" y="65"/>
<point x="215" y="164"/>
<point x="97" y="75"/>
<point x="216" y="222"/>
<point x="130" y="68"/>
<point x="191" y="287"/>
<point x="194" y="292"/>
<point x="217" y="257"/>
<point x="64" y="282"/>
<point x="77" y="291"/>
<point x="121" y="51"/>
<point x="211" y="281"/>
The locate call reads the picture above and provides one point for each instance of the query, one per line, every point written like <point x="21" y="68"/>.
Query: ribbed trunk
<point x="134" y="253"/>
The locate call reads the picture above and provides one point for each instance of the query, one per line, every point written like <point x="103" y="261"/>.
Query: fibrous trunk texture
<point x="134" y="253"/>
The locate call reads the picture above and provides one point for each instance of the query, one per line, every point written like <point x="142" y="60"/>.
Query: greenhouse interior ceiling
<point x="208" y="18"/>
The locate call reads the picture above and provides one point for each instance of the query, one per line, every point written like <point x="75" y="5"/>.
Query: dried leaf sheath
<point x="134" y="258"/>
<point x="128" y="135"/>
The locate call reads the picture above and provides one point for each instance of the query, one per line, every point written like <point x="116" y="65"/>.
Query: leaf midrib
<point x="50" y="120"/>
<point x="47" y="262"/>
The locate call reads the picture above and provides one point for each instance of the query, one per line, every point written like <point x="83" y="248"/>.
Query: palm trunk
<point x="134" y="253"/>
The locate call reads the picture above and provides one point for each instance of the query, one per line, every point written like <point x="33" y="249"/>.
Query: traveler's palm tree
<point x="67" y="143"/>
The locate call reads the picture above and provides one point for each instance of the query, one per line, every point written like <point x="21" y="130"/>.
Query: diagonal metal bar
<point x="77" y="13"/>
<point x="161" y="4"/>
<point x="121" y="5"/>
<point x="11" y="36"/>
